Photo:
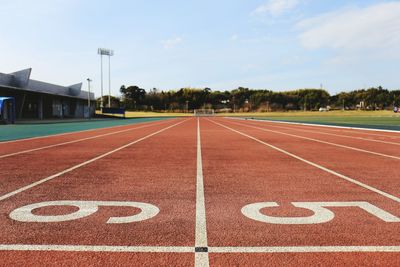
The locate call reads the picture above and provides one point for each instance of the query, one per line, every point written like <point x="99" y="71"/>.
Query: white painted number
<point x="85" y="208"/>
<point x="321" y="214"/>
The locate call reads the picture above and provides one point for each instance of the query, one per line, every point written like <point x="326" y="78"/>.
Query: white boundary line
<point x="188" y="249"/>
<point x="305" y="249"/>
<point x="321" y="141"/>
<point x="333" y="134"/>
<point x="351" y="180"/>
<point x="90" y="248"/>
<point x="10" y="194"/>
<point x="201" y="258"/>
<point x="60" y="134"/>
<point x="79" y="140"/>
<point x="319" y="125"/>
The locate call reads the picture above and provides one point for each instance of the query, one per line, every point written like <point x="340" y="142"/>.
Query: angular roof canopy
<point x="20" y="80"/>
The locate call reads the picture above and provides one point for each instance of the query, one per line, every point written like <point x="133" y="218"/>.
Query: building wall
<point x="33" y="105"/>
<point x="79" y="109"/>
<point x="57" y="108"/>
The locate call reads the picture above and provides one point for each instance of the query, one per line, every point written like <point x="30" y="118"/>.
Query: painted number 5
<point x="321" y="213"/>
<point x="85" y="208"/>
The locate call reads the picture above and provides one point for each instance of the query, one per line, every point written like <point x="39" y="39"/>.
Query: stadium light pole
<point x="109" y="78"/>
<point x="99" y="51"/>
<point x="88" y="96"/>
<point x="109" y="53"/>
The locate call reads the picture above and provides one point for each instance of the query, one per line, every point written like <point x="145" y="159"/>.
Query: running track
<point x="202" y="192"/>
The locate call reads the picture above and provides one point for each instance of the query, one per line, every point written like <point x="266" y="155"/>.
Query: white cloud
<point x="171" y="43"/>
<point x="376" y="26"/>
<point x="276" y="7"/>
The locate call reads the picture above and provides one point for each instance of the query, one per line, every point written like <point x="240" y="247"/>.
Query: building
<point x="41" y="100"/>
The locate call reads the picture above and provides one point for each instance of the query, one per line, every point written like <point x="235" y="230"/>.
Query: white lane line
<point x="10" y="194"/>
<point x="89" y="248"/>
<point x="351" y="180"/>
<point x="201" y="258"/>
<point x="320" y="141"/>
<point x="60" y="134"/>
<point x="339" y="135"/>
<point x="182" y="249"/>
<point x="78" y="140"/>
<point x="304" y="249"/>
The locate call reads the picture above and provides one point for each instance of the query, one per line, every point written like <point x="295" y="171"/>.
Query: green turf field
<point x="19" y="131"/>
<point x="363" y="119"/>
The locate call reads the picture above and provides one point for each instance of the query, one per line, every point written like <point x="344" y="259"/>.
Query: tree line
<point x="244" y="99"/>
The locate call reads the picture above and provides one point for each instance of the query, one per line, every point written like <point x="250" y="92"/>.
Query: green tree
<point x="133" y="96"/>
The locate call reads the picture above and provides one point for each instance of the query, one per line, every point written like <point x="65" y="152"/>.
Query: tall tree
<point x="133" y="96"/>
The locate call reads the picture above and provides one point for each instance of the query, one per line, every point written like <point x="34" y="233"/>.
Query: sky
<point x="278" y="45"/>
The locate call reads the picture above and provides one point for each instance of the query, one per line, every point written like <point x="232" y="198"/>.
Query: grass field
<point x="308" y="114"/>
<point x="338" y="113"/>
<point x="370" y="119"/>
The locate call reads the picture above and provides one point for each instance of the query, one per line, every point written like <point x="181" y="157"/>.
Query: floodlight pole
<point x="101" y="64"/>
<point x="109" y="80"/>
<point x="88" y="95"/>
<point x="109" y="53"/>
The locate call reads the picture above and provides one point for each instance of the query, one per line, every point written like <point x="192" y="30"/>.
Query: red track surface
<point x="161" y="170"/>
<point x="33" y="258"/>
<point x="46" y="162"/>
<point x="388" y="145"/>
<point x="302" y="259"/>
<point x="377" y="171"/>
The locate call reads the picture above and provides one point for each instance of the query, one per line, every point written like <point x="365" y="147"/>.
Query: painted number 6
<point x="85" y="208"/>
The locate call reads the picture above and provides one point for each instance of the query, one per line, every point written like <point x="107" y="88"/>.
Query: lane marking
<point x="344" y="177"/>
<point x="182" y="249"/>
<point x="85" y="208"/>
<point x="339" y="135"/>
<point x="60" y="134"/>
<point x="201" y="259"/>
<point x="201" y="256"/>
<point x="24" y="188"/>
<point x="327" y="126"/>
<point x="304" y="249"/>
<point x="89" y="248"/>
<point x="321" y="213"/>
<point x="320" y="141"/>
<point x="78" y="140"/>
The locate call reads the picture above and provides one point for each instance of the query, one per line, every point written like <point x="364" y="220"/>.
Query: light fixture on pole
<point x="109" y="53"/>
<point x="88" y="96"/>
